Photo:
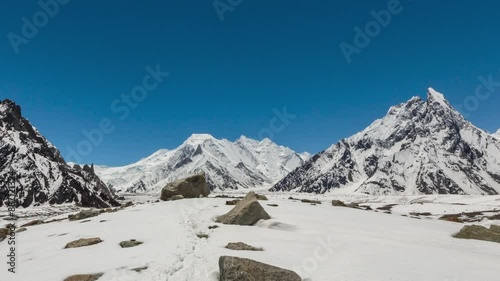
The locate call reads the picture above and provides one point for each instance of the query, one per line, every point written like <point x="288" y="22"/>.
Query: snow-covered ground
<point x="320" y="243"/>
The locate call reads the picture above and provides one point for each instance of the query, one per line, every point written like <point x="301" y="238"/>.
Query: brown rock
<point x="85" y="277"/>
<point x="247" y="212"/>
<point x="84" y="242"/>
<point x="239" y="246"/>
<point x="191" y="187"/>
<point x="238" y="269"/>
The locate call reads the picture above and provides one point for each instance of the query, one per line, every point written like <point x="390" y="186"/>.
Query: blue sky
<point x="227" y="77"/>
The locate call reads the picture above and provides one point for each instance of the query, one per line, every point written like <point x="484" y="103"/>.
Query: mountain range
<point x="245" y="163"/>
<point x="32" y="171"/>
<point x="419" y="147"/>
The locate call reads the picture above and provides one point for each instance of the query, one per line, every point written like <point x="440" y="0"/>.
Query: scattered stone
<point x="213" y="227"/>
<point x="85" y="214"/>
<point x="131" y="243"/>
<point x="227" y="197"/>
<point x="239" y="246"/>
<point x="478" y="232"/>
<point x="32" y="223"/>
<point x="387" y="207"/>
<point x="310" y="201"/>
<point x="291" y="198"/>
<point x="85" y="221"/>
<point x="192" y="187"/>
<point x="177" y="197"/>
<point x="140" y="269"/>
<point x="85" y="277"/>
<point x="247" y="212"/>
<point x="84" y="242"/>
<point x="232" y="202"/>
<point x="272" y="205"/>
<point x="416" y="214"/>
<point x="103" y="221"/>
<point x="22" y="229"/>
<point x="121" y="198"/>
<point x="238" y="269"/>
<point x="338" y="203"/>
<point x="261" y="197"/>
<point x="202" y="235"/>
<point x="353" y="205"/>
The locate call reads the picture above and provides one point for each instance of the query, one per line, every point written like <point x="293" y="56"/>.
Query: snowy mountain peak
<point x="419" y="147"/>
<point x="245" y="163"/>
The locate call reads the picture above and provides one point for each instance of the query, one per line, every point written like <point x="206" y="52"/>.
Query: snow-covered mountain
<point x="497" y="134"/>
<point x="245" y="163"/>
<point x="35" y="167"/>
<point x="419" y="147"/>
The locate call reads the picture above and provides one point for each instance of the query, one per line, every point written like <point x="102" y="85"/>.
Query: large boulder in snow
<point x="479" y="233"/>
<point x="192" y="187"/>
<point x="246" y="212"/>
<point x="238" y="269"/>
<point x="84" y="242"/>
<point x="84" y="277"/>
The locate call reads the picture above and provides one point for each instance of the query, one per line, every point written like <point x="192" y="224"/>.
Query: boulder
<point x="238" y="269"/>
<point x="239" y="246"/>
<point x="84" y="242"/>
<point x="84" y="277"/>
<point x="131" y="243"/>
<point x="192" y="187"/>
<point x="247" y="212"/>
<point x="85" y="214"/>
<point x="478" y="232"/>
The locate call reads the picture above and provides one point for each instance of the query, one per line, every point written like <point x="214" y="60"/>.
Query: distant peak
<point x="197" y="139"/>
<point x="200" y="137"/>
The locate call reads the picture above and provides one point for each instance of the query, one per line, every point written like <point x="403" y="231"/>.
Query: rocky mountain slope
<point x="35" y="167"/>
<point x="419" y="147"/>
<point x="245" y="163"/>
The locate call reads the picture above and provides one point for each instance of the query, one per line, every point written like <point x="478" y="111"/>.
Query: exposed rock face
<point x="238" y="269"/>
<point x="84" y="242"/>
<point x="245" y="163"/>
<point x="246" y="212"/>
<point x="480" y="233"/>
<point x="191" y="187"/>
<point x="419" y="147"/>
<point x="35" y="167"/>
<point x="239" y="246"/>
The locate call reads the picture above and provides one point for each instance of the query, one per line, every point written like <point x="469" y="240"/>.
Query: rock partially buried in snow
<point x="478" y="232"/>
<point x="247" y="212"/>
<point x="84" y="242"/>
<point x="261" y="197"/>
<point x="85" y="214"/>
<point x="84" y="277"/>
<point x="131" y="243"/>
<point x="4" y="232"/>
<point x="191" y="187"/>
<point x="239" y="246"/>
<point x="238" y="269"/>
<point x="338" y="203"/>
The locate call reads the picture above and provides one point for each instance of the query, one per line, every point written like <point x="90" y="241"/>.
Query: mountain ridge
<point x="419" y="147"/>
<point x="242" y="164"/>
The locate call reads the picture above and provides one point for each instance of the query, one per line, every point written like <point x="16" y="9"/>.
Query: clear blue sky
<point x="226" y="77"/>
